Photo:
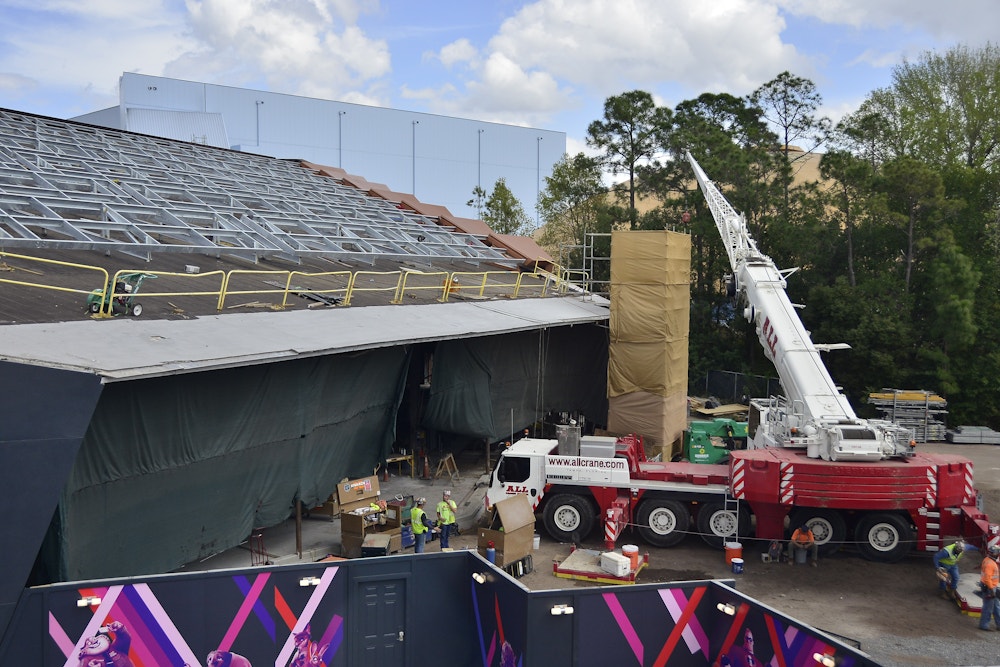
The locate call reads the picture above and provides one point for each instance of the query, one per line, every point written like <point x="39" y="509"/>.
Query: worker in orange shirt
<point x="989" y="580"/>
<point x="803" y="538"/>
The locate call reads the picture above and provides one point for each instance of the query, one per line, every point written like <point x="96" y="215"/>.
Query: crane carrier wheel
<point x="827" y="526"/>
<point x="568" y="518"/>
<point x="663" y="523"/>
<point x="718" y="525"/>
<point x="884" y="538"/>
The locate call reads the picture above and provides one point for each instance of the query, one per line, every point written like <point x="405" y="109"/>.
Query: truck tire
<point x="568" y="518"/>
<point x="663" y="523"/>
<point x="884" y="538"/>
<point x="718" y="525"/>
<point x="828" y="527"/>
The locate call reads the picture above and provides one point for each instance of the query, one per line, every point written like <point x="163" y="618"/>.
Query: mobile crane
<point x="814" y="415"/>
<point x="809" y="459"/>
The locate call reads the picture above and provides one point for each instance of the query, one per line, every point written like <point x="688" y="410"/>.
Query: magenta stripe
<point x="624" y="625"/>
<point x="244" y="612"/>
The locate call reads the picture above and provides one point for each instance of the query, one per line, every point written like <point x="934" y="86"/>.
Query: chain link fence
<point x="730" y="387"/>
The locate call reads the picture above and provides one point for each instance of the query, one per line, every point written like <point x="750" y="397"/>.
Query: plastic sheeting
<point x="178" y="468"/>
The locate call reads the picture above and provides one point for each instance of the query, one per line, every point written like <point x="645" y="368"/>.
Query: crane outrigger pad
<point x="585" y="565"/>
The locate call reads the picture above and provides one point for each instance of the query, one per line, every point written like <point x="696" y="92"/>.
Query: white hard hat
<point x="421" y="501"/>
<point x="447" y="492"/>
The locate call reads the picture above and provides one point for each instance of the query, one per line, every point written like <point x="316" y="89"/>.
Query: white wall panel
<point x="440" y="159"/>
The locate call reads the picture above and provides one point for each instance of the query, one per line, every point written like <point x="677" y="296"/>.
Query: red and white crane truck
<point x="809" y="458"/>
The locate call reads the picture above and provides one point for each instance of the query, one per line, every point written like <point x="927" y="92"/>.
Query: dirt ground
<point x="890" y="609"/>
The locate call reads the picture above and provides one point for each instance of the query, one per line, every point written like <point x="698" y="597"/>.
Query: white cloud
<point x="972" y="21"/>
<point x="550" y="53"/>
<point x="296" y="46"/>
<point x="459" y="51"/>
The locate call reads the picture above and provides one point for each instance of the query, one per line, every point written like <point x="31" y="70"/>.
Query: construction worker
<point x="446" y="510"/>
<point x="947" y="559"/>
<point x="421" y="525"/>
<point x="803" y="538"/>
<point x="989" y="580"/>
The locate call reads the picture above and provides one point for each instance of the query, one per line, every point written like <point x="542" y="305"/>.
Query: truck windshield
<point x="514" y="469"/>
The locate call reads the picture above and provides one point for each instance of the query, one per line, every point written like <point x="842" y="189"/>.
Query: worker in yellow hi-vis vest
<point x="421" y="525"/>
<point x="446" y="516"/>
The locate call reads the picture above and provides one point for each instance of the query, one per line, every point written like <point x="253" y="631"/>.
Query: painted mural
<point x="135" y="625"/>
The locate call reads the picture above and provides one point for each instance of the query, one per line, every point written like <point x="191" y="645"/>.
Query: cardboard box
<point x="515" y="516"/>
<point x="355" y="493"/>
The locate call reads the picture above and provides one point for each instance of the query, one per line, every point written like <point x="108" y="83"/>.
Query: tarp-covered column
<point x="650" y="304"/>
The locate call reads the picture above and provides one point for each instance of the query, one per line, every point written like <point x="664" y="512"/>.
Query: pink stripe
<point x="624" y="625"/>
<point x="166" y="625"/>
<point x="693" y="634"/>
<point x="108" y="598"/>
<point x="150" y="653"/>
<point x="307" y="613"/>
<point x="59" y="635"/>
<point x="241" y="616"/>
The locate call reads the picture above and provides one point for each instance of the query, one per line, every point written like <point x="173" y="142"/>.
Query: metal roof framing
<point x="79" y="187"/>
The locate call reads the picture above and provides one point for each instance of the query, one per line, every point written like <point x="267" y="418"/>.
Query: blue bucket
<point x="737" y="566"/>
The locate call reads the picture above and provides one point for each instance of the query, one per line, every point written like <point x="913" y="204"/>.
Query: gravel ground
<point x="892" y="610"/>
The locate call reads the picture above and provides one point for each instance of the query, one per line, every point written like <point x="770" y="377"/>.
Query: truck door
<point x="517" y="474"/>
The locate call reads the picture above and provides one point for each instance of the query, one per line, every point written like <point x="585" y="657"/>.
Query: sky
<point x="548" y="64"/>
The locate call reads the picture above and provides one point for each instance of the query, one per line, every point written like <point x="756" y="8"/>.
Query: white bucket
<point x="536" y="542"/>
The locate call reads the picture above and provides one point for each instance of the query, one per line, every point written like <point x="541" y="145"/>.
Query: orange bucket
<point x="632" y="552"/>
<point x="733" y="550"/>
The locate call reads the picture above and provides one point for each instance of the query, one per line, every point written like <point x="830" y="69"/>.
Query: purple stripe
<point x="624" y="624"/>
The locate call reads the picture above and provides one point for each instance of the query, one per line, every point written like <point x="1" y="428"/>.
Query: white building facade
<point x="439" y="159"/>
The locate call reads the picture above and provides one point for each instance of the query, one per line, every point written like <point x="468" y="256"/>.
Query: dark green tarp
<point x="481" y="386"/>
<point x="177" y="468"/>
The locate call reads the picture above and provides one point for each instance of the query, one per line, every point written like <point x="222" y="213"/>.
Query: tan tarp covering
<point x="659" y="420"/>
<point x="648" y="352"/>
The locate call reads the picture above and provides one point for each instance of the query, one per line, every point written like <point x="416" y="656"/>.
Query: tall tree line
<point x="897" y="244"/>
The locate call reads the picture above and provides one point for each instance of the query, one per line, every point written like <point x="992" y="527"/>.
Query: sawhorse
<point x="447" y="465"/>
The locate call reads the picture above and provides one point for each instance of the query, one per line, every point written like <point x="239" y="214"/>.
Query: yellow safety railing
<point x="107" y="304"/>
<point x="237" y="272"/>
<point x="483" y="283"/>
<point x="23" y="283"/>
<point x="480" y="281"/>
<point x="372" y="276"/>
<point x="327" y="274"/>
<point x="423" y="275"/>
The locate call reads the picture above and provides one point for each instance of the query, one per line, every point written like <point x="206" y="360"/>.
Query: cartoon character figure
<point x="103" y="650"/>
<point x="226" y="659"/>
<point x="507" y="657"/>
<point x="307" y="652"/>
<point x="743" y="656"/>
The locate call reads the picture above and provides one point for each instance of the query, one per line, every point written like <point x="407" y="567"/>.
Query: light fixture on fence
<point x="479" y="577"/>
<point x="825" y="660"/>
<point x="726" y="608"/>
<point x="309" y="581"/>
<point x="561" y="609"/>
<point x="88" y="601"/>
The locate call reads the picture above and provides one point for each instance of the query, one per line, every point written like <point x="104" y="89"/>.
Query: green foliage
<point x="631" y="134"/>
<point x="898" y="247"/>
<point x="501" y="209"/>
